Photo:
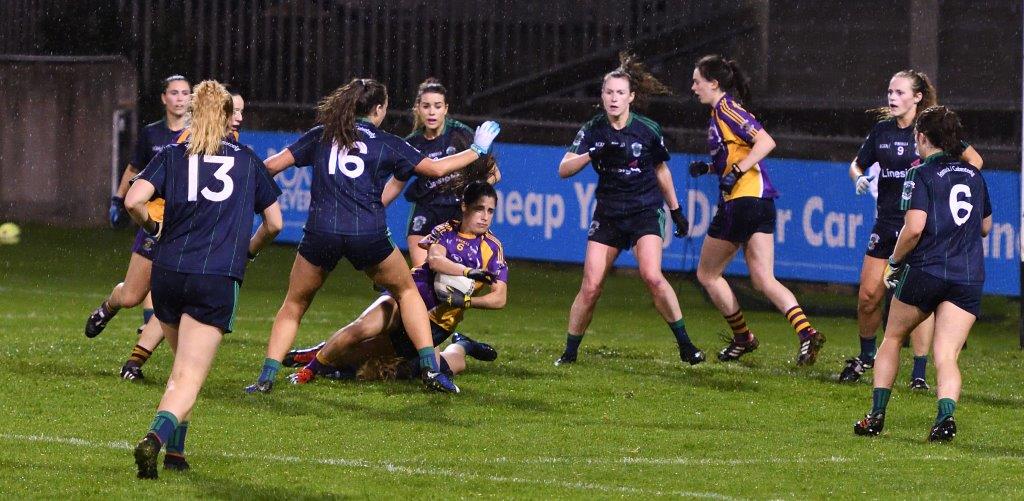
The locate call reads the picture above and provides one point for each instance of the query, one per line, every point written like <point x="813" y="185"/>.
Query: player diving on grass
<point x="936" y="267"/>
<point x="376" y="346"/>
<point x="352" y="160"/>
<point x="628" y="153"/>
<point x="890" y="144"/>
<point x="746" y="209"/>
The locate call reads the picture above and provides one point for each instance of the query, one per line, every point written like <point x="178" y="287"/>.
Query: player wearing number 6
<point x="936" y="267"/>
<point x="352" y="159"/>
<point x="211" y="189"/>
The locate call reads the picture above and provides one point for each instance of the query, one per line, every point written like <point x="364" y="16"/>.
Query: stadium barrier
<point x="821" y="232"/>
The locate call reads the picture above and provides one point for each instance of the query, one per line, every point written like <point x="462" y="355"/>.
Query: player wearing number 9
<point x="937" y="265"/>
<point x="352" y="159"/>
<point x="211" y="187"/>
<point x="890" y="144"/>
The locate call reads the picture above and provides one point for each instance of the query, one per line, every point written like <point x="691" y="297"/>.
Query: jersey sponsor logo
<point x="449" y="150"/>
<point x="370" y="134"/>
<point x="637" y="149"/>
<point x="893" y="174"/>
<point x="908" y="190"/>
<point x="418" y="222"/>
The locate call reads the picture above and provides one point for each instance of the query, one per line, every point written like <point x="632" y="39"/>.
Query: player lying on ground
<point x="459" y="248"/>
<point x="936" y="267"/>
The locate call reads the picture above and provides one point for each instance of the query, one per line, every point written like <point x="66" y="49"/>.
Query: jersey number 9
<point x="226" y="163"/>
<point x="351" y="165"/>
<point x="956" y="206"/>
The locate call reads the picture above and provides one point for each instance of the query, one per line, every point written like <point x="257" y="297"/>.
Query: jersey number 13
<point x="221" y="174"/>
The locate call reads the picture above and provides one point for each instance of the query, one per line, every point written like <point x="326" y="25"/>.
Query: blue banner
<point x="820" y="235"/>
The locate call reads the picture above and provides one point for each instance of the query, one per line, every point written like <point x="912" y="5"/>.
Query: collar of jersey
<point x="934" y="157"/>
<point x="629" y="121"/>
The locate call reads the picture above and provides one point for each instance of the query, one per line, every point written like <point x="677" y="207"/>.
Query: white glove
<point x="863" y="183"/>
<point x="484" y="137"/>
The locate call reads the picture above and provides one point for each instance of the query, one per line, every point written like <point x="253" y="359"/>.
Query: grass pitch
<point x="628" y="420"/>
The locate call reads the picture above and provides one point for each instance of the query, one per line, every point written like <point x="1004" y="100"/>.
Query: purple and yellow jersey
<point x="731" y="134"/>
<point x="483" y="251"/>
<point x="156" y="205"/>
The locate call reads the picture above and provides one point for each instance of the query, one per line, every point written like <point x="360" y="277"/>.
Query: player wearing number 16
<point x="936" y="267"/>
<point x="352" y="160"/>
<point x="211" y="189"/>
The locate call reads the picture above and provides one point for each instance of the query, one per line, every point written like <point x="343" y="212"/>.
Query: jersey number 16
<point x="351" y="165"/>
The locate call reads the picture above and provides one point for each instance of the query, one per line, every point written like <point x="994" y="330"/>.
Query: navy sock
<point x="270" y="368"/>
<point x="163" y="426"/>
<point x="946" y="408"/>
<point x="679" y="331"/>
<point x="879" y="400"/>
<point x="464" y="343"/>
<point x="572" y="343"/>
<point x="319" y="367"/>
<point x="146" y="315"/>
<point x="176" y="445"/>
<point x="867" y="349"/>
<point x="427" y="360"/>
<point x="920" y="363"/>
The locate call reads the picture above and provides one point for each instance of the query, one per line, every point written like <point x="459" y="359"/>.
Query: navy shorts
<point x="326" y="249"/>
<point x="926" y="292"/>
<point x="144" y="244"/>
<point x="403" y="345"/>
<point x="210" y="299"/>
<point x="622" y="232"/>
<point x="882" y="241"/>
<point x="424" y="217"/>
<point x="738" y="219"/>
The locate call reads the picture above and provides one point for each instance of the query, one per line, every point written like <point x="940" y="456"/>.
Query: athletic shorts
<point x="326" y="249"/>
<point x="424" y="217"/>
<point x="623" y="232"/>
<point x="403" y="345"/>
<point x="926" y="292"/>
<point x="144" y="244"/>
<point x="882" y="241"/>
<point x="210" y="299"/>
<point x="738" y="219"/>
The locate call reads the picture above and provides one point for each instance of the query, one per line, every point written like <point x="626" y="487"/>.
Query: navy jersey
<point x="153" y="138"/>
<point x="209" y="205"/>
<point x="955" y="196"/>
<point x="626" y="183"/>
<point x="347" y="184"/>
<point x="895" y="151"/>
<point x="443" y="190"/>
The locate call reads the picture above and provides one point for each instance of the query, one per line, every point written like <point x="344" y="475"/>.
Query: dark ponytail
<point x="727" y="73"/>
<point x="476" y="190"/>
<point x="339" y="109"/>
<point x="943" y="129"/>
<point x="429" y="86"/>
<point x="640" y="79"/>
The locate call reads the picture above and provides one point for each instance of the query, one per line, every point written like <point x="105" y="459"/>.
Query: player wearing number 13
<point x="352" y="159"/>
<point x="937" y="265"/>
<point x="211" y="189"/>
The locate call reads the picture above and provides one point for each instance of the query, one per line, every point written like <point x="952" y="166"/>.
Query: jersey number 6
<point x="226" y="163"/>
<point x="956" y="205"/>
<point x="351" y="165"/>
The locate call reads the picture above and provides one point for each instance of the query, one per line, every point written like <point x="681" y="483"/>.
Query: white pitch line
<point x="389" y="467"/>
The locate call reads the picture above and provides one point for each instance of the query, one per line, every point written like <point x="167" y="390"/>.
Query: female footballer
<point x="628" y="152"/>
<point x="462" y="247"/>
<point x="937" y="266"/>
<point x="436" y="199"/>
<point x="746" y="209"/>
<point x="153" y="138"/>
<point x="890" y="144"/>
<point x="211" y="189"/>
<point x="352" y="159"/>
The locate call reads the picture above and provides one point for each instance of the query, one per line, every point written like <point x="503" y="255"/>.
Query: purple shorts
<point x="144" y="244"/>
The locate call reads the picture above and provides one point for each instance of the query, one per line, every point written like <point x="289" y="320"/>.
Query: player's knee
<point x="762" y="282"/>
<point x="868" y="301"/>
<point x="654" y="280"/>
<point x="590" y="292"/>
<point x="706" y="277"/>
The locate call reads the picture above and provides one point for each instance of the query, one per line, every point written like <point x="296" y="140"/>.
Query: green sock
<point x="176" y="445"/>
<point x="163" y="426"/>
<point x="946" y="408"/>
<point x="270" y="368"/>
<point x="427" y="360"/>
<point x="879" y="400"/>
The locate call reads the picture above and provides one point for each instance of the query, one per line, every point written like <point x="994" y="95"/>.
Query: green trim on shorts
<point x="903" y="280"/>
<point x="661" y="223"/>
<point x="408" y="220"/>
<point x="234" y="307"/>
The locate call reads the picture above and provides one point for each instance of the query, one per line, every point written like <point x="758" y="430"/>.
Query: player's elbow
<point x="986" y="226"/>
<point x="273" y="221"/>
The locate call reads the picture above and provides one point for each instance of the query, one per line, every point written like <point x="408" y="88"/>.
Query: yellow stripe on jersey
<point x="750" y="183"/>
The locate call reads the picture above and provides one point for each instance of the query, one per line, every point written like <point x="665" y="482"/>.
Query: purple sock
<point x="319" y="367"/>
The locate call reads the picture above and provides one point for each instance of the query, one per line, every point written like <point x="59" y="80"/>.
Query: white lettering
<point x="699" y="208"/>
<point x="585" y="196"/>
<point x="554" y="214"/>
<point x="514" y="208"/>
<point x="814" y="204"/>
<point x="781" y="218"/>
<point x="534" y="209"/>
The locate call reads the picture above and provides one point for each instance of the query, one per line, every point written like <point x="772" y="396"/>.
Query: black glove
<point x="479" y="275"/>
<point x="156" y="231"/>
<point x="118" y="214"/>
<point x="454" y="298"/>
<point x="728" y="181"/>
<point x="698" y="168"/>
<point x="251" y="256"/>
<point x="605" y="150"/>
<point x="682" y="225"/>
